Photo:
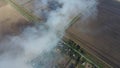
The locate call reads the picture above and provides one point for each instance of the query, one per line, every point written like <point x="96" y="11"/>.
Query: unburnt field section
<point x="101" y="37"/>
<point x="2" y="3"/>
<point x="11" y="21"/>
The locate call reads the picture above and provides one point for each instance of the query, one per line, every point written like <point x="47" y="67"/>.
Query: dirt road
<point x="101" y="36"/>
<point x="11" y="22"/>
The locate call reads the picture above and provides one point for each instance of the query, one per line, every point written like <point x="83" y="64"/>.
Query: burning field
<point x="20" y="44"/>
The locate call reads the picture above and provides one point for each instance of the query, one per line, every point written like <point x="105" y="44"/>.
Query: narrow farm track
<point x="101" y="36"/>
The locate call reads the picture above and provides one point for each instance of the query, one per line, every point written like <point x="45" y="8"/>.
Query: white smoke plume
<point x="18" y="51"/>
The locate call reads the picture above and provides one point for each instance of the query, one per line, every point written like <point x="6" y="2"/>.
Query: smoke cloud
<point x="19" y="51"/>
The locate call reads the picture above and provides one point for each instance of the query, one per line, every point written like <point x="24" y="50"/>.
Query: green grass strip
<point x="24" y="11"/>
<point x="80" y="54"/>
